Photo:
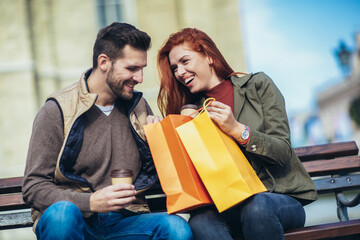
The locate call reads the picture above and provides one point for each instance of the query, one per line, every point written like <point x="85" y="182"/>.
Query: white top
<point x="106" y="110"/>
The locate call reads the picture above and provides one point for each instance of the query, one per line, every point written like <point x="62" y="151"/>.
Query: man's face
<point x="126" y="72"/>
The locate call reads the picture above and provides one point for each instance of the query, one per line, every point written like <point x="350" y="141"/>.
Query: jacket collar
<point x="85" y="96"/>
<point x="239" y="92"/>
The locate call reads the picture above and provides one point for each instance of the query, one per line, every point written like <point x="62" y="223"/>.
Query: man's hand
<point x="112" y="198"/>
<point x="152" y="119"/>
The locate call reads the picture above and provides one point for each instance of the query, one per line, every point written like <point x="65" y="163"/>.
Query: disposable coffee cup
<point x="121" y="176"/>
<point x="189" y="110"/>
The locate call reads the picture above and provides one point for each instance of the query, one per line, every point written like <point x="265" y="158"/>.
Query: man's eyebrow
<point x="136" y="66"/>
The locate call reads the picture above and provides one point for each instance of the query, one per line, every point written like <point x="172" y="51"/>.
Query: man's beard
<point x="117" y="87"/>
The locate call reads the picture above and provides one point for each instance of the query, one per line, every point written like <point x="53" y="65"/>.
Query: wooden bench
<point x="334" y="168"/>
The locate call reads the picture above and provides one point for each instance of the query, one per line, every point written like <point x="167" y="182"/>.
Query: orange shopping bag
<point x="222" y="166"/>
<point x="178" y="178"/>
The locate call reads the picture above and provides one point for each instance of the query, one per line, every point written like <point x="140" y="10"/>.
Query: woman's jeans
<point x="262" y="216"/>
<point x="63" y="220"/>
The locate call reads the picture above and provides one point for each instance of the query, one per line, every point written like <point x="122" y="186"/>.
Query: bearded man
<point x="85" y="131"/>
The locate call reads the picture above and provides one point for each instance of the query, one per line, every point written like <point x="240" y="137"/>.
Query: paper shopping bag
<point x="223" y="168"/>
<point x="178" y="178"/>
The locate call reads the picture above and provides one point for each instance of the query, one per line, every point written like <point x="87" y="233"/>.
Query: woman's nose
<point x="181" y="71"/>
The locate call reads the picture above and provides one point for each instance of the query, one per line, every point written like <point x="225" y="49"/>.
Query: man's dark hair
<point x="112" y="39"/>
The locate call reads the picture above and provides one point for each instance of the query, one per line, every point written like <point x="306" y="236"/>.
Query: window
<point x="110" y="11"/>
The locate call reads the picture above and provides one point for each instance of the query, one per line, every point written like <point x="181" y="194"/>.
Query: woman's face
<point x="192" y="69"/>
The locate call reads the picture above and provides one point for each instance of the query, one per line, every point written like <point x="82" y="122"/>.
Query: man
<point x="85" y="131"/>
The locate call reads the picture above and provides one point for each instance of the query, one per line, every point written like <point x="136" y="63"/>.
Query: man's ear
<point x="104" y="62"/>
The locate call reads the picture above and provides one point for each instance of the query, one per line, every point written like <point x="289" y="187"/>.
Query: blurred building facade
<point x="45" y="45"/>
<point x="335" y="102"/>
<point x="331" y="121"/>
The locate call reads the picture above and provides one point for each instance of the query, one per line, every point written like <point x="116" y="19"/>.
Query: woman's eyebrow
<point x="180" y="59"/>
<point x="174" y="65"/>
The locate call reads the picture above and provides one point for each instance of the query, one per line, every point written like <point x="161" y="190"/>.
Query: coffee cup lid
<point x="189" y="106"/>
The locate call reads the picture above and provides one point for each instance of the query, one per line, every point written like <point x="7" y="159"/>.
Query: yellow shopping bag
<point x="222" y="166"/>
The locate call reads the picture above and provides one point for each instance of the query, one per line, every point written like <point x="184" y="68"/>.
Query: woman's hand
<point x="222" y="115"/>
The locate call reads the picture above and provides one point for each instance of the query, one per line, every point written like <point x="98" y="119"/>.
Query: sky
<point x="293" y="41"/>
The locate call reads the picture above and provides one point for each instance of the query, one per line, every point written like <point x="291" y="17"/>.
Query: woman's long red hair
<point x="172" y="94"/>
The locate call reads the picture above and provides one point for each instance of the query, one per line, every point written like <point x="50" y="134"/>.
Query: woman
<point x="251" y="110"/>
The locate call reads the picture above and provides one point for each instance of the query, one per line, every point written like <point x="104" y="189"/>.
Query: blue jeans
<point x="63" y="220"/>
<point x="262" y="216"/>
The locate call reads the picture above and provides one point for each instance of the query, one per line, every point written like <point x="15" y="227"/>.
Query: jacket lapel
<point x="239" y="93"/>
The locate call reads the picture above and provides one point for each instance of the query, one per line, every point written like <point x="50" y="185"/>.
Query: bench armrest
<point x="348" y="203"/>
<point x="343" y="203"/>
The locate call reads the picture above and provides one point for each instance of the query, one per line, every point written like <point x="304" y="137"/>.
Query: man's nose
<point x="138" y="77"/>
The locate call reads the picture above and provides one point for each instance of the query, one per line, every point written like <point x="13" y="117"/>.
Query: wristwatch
<point x="244" y="136"/>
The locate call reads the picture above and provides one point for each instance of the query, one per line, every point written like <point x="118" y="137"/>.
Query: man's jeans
<point x="262" y="216"/>
<point x="63" y="220"/>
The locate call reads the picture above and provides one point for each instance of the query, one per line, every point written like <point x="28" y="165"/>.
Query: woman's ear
<point x="104" y="62"/>
<point x="209" y="60"/>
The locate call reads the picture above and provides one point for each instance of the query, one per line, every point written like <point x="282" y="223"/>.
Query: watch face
<point x="245" y="134"/>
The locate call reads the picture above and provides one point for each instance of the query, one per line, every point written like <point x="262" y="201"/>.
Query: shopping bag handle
<point x="206" y="103"/>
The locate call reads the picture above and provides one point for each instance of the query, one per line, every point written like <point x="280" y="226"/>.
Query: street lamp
<point x="343" y="55"/>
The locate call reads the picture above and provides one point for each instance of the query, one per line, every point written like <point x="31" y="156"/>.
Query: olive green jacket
<point x="259" y="104"/>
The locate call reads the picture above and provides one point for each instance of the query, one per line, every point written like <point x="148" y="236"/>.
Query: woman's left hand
<point x="222" y="115"/>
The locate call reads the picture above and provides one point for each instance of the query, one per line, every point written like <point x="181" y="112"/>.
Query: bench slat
<point x="13" y="220"/>
<point x="12" y="202"/>
<point x="322" y="231"/>
<point x="10" y="185"/>
<point x="327" y="151"/>
<point x="339" y="165"/>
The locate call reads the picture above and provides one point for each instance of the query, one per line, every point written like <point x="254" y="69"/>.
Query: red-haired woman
<point x="251" y="110"/>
